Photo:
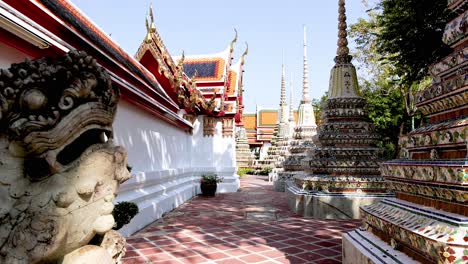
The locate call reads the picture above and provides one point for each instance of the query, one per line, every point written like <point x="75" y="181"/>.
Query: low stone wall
<point x="159" y="192"/>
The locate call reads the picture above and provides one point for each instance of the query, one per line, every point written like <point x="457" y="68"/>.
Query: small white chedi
<point x="59" y="170"/>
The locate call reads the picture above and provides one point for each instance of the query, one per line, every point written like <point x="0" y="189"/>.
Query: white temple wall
<point x="264" y="150"/>
<point x="168" y="162"/>
<point x="10" y="55"/>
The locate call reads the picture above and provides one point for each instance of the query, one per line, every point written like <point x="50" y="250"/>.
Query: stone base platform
<point x="279" y="185"/>
<point x="329" y="205"/>
<point x="361" y="247"/>
<point x="159" y="192"/>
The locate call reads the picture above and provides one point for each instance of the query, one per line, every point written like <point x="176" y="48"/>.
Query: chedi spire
<point x="305" y="77"/>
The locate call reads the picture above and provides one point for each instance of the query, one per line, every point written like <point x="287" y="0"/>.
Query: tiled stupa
<point x="244" y="156"/>
<point x="305" y="129"/>
<point x="342" y="171"/>
<point x="280" y="141"/>
<point x="427" y="222"/>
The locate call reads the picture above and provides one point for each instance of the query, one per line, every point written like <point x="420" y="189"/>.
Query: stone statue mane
<point x="59" y="169"/>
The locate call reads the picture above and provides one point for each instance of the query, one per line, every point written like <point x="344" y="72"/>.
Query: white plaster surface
<point x="168" y="162"/>
<point x="9" y="56"/>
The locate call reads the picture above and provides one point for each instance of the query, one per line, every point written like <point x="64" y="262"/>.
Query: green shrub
<point x="265" y="171"/>
<point x="124" y="212"/>
<point x="210" y="179"/>
<point x="243" y="171"/>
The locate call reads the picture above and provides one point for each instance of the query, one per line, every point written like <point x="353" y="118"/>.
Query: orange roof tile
<point x="268" y="118"/>
<point x="250" y="121"/>
<point x="232" y="79"/>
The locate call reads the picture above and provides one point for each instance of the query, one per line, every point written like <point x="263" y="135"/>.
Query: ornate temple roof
<point x="207" y="68"/>
<point x="155" y="57"/>
<point x="217" y="78"/>
<point x="59" y="27"/>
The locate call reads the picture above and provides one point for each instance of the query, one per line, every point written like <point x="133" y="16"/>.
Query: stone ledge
<point x="364" y="247"/>
<point x="158" y="192"/>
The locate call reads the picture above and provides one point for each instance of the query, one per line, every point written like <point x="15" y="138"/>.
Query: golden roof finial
<point x="148" y="34"/>
<point x="245" y="53"/>
<point x="182" y="58"/>
<point x="343" y="49"/>
<point x="195" y="75"/>
<point x="152" y="26"/>
<point x="233" y="41"/>
<point x="180" y="63"/>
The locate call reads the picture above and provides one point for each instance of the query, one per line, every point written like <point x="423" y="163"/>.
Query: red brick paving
<point x="253" y="225"/>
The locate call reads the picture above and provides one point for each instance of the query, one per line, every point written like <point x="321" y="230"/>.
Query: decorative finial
<point x="342" y="53"/>
<point x="148" y="33"/>
<point x="234" y="40"/>
<point x="152" y="26"/>
<point x="283" y="105"/>
<point x="182" y="59"/>
<point x="305" y="77"/>
<point x="291" y="107"/>
<point x="245" y="53"/>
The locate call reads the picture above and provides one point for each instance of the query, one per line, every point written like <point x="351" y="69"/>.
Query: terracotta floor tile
<point x="167" y="262"/>
<point x="143" y="245"/>
<point x="278" y="245"/>
<point x="136" y="240"/>
<point x="194" y="244"/>
<point x="329" y="261"/>
<point x="325" y="252"/>
<point x="257" y="248"/>
<point x="253" y="258"/>
<point x="294" y="242"/>
<point x="292" y="250"/>
<point x="131" y="254"/>
<point x="183" y="254"/>
<point x="193" y="259"/>
<point x="137" y="260"/>
<point x="171" y="248"/>
<point x="237" y="252"/>
<point x="160" y="257"/>
<point x="296" y="260"/>
<point x="164" y="242"/>
<point x="309" y="256"/>
<point x="149" y="251"/>
<point x="230" y="261"/>
<point x="216" y="230"/>
<point x="216" y="256"/>
<point x="272" y="254"/>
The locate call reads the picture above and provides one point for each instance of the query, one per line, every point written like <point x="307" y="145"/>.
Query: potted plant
<point x="209" y="184"/>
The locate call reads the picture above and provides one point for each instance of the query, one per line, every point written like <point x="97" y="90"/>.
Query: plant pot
<point x="208" y="189"/>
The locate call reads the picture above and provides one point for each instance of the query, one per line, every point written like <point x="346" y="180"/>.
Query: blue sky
<point x="206" y="26"/>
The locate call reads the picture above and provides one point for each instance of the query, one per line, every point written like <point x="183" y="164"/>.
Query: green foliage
<point x="124" y="212"/>
<point x="410" y="36"/>
<point x="394" y="48"/>
<point x="264" y="171"/>
<point x="210" y="179"/>
<point x="244" y="171"/>
<point x="318" y="106"/>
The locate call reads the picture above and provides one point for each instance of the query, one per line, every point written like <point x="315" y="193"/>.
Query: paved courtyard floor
<point x="253" y="225"/>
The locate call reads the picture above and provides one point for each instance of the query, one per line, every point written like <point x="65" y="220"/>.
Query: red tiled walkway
<point x="253" y="225"/>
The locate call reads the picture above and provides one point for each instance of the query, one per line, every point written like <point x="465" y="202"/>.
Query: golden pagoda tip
<point x="234" y="40"/>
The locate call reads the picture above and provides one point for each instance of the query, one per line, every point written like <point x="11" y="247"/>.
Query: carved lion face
<point x="59" y="170"/>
